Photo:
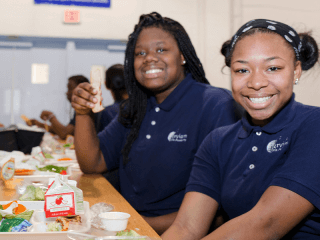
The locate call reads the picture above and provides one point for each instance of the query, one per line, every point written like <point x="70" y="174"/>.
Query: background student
<point x="56" y="127"/>
<point x="115" y="83"/>
<point x="170" y="109"/>
<point x="263" y="170"/>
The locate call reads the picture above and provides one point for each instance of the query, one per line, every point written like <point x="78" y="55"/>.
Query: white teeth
<point x="259" y="100"/>
<point x="154" y="71"/>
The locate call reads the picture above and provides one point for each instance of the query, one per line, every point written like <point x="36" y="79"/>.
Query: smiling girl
<point x="263" y="171"/>
<point x="170" y="109"/>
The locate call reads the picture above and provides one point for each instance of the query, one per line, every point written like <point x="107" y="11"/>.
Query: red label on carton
<point x="59" y="205"/>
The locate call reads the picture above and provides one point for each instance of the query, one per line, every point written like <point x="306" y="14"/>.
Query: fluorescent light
<point x="16" y="44"/>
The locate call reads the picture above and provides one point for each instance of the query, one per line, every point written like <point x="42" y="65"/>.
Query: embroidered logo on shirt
<point x="276" y="145"/>
<point x="173" y="137"/>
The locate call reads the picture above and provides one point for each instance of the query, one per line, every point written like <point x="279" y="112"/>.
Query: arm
<point x="32" y="122"/>
<point x="59" y="129"/>
<point x="86" y="142"/>
<point x="161" y="223"/>
<point x="194" y="217"/>
<point x="278" y="211"/>
<point x="56" y="127"/>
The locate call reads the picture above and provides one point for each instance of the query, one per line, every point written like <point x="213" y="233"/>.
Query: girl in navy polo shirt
<point x="170" y="110"/>
<point x="263" y="171"/>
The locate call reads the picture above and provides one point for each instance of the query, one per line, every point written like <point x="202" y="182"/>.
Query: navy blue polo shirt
<point x="103" y="118"/>
<point x="73" y="120"/>
<point x="160" y="160"/>
<point x="237" y="163"/>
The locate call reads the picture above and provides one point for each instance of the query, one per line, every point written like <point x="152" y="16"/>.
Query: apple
<point x="59" y="200"/>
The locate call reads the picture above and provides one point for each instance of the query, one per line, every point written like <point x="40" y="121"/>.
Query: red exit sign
<point x="71" y="16"/>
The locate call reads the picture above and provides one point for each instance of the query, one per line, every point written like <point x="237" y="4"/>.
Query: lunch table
<point x="95" y="189"/>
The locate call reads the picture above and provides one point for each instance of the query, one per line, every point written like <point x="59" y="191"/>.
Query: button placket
<point x="153" y="122"/>
<point x="254" y="149"/>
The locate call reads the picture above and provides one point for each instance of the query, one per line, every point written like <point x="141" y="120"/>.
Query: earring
<point x="296" y="82"/>
<point x="184" y="62"/>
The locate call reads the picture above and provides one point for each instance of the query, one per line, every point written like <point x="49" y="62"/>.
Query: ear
<point x="297" y="71"/>
<point x="183" y="61"/>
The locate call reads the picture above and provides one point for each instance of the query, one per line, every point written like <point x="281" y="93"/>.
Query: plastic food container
<point x="114" y="221"/>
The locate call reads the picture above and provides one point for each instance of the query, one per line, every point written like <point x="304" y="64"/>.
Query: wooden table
<point x="95" y="189"/>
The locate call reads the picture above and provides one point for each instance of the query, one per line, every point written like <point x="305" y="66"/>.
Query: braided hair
<point x="132" y="111"/>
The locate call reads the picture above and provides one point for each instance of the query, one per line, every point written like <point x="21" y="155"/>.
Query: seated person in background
<point x="56" y="127"/>
<point x="1" y="125"/>
<point x="114" y="83"/>
<point x="263" y="170"/>
<point x="170" y="109"/>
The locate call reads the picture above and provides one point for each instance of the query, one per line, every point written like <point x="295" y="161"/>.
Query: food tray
<point x="83" y="236"/>
<point x="39" y="176"/>
<point x="39" y="224"/>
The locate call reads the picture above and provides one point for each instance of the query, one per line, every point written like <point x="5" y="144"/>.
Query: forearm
<point x="271" y="218"/>
<point x="178" y="231"/>
<point x="87" y="145"/>
<point x="241" y="228"/>
<point x="194" y="217"/>
<point x="59" y="129"/>
<point x="161" y="223"/>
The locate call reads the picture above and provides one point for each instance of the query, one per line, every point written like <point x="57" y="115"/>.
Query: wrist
<point x="50" y="117"/>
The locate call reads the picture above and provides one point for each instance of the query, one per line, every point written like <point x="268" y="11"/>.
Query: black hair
<point x="309" y="53"/>
<point x="78" y="79"/>
<point x="133" y="110"/>
<point x="115" y="81"/>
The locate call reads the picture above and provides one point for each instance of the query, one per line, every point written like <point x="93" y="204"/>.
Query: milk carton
<point x="63" y="199"/>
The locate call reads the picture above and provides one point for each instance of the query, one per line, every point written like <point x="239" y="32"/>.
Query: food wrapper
<point x="8" y="210"/>
<point x="95" y="210"/>
<point x="63" y="199"/>
<point x="95" y="80"/>
<point x="38" y="154"/>
<point x="22" y="227"/>
<point x="7" y="167"/>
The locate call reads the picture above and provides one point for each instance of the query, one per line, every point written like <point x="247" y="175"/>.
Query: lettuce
<point x="54" y="227"/>
<point x="30" y="194"/>
<point x="129" y="233"/>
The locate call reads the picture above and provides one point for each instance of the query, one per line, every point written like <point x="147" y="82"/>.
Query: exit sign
<point x="71" y="16"/>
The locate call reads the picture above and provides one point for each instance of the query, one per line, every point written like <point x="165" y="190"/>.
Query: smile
<point x="259" y="100"/>
<point x="154" y="71"/>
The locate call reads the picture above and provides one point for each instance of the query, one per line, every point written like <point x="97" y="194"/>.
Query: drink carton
<point x="96" y="80"/>
<point x="63" y="199"/>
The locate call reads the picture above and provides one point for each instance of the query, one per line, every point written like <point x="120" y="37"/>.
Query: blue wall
<point x="65" y="57"/>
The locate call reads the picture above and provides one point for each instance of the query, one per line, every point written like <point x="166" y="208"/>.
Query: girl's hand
<point x="45" y="115"/>
<point x="83" y="98"/>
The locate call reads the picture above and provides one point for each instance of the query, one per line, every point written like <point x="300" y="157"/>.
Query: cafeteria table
<point x="95" y="189"/>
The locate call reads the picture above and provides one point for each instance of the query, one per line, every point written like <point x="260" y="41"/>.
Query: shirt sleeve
<point x="205" y="173"/>
<point x="300" y="172"/>
<point x="111" y="143"/>
<point x="218" y="111"/>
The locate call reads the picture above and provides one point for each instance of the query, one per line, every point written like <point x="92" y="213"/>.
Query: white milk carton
<point x="63" y="199"/>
